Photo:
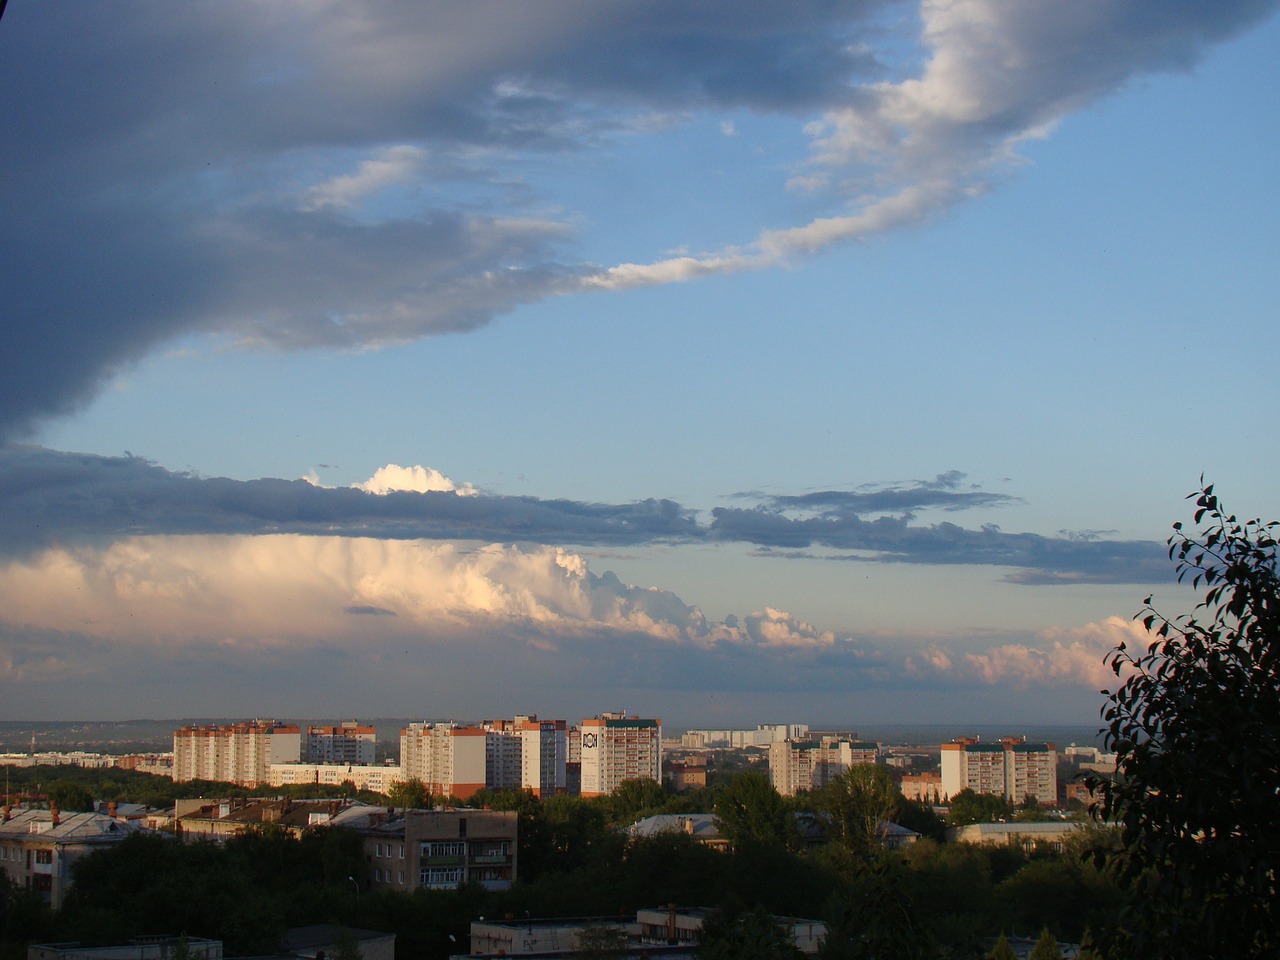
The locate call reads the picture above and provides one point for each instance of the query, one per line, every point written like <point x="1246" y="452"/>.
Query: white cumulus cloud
<point x="415" y="479"/>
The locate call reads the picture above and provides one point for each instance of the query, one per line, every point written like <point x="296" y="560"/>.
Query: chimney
<point x="671" y="923"/>
<point x="113" y="809"/>
<point x="54" y="815"/>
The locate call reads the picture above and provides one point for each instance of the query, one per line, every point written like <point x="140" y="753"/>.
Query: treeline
<point x="575" y="861"/>
<point x="79" y="788"/>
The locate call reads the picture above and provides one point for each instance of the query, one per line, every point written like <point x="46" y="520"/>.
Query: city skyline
<point x="739" y="361"/>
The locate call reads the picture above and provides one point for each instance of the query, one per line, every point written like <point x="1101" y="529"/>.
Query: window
<point x="444" y="848"/>
<point x="44" y="856"/>
<point x="402" y="851"/>
<point x="441" y="877"/>
<point x="462" y="826"/>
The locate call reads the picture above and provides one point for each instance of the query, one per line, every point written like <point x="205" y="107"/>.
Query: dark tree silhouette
<point x="1195" y="725"/>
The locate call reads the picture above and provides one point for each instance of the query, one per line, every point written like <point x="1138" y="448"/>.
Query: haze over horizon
<point x="728" y="362"/>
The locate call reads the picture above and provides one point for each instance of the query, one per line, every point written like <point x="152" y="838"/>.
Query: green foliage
<point x="244" y="892"/>
<point x="1195" y="724"/>
<point x="876" y="920"/>
<point x="1064" y="893"/>
<point x="71" y="796"/>
<point x="347" y="947"/>
<point x="410" y="794"/>
<point x="734" y="933"/>
<point x="632" y="800"/>
<point x="1002" y="950"/>
<point x="858" y="801"/>
<point x="1030" y="811"/>
<point x="1046" y="947"/>
<point x="920" y="817"/>
<point x="969" y="807"/>
<point x="24" y="918"/>
<point x="750" y="812"/>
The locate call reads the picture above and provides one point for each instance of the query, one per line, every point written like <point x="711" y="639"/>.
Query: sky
<point x="837" y="362"/>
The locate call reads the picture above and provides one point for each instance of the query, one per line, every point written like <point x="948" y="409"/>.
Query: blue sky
<point x="839" y="362"/>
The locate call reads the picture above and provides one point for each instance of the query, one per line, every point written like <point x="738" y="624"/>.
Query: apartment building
<point x="235" y="753"/>
<point x="544" y="756"/>
<point x="379" y="778"/>
<point x="348" y="743"/>
<point x="796" y="765"/>
<point x="763" y="735"/>
<point x="441" y="849"/>
<point x="616" y="747"/>
<point x="1011" y="768"/>
<point x="38" y="847"/>
<point x="450" y="760"/>
<point x="925" y="787"/>
<point x="504" y="753"/>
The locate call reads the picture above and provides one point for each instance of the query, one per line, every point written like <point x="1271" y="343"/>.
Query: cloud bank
<point x="270" y="617"/>
<point x="55" y="499"/>
<point x="353" y="175"/>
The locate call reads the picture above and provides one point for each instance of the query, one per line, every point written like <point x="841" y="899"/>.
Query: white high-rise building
<point x="526" y="753"/>
<point x="449" y="760"/>
<point x="349" y="742"/>
<point x="796" y="765"/>
<point x="616" y="747"/>
<point x="544" y="755"/>
<point x="239" y="753"/>
<point x="1012" y="768"/>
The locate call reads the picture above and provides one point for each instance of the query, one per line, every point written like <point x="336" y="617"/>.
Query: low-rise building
<point x="440" y="849"/>
<point x="687" y="773"/>
<point x="1027" y="834"/>
<point x="139" y="948"/>
<point x="38" y="847"/>
<point x="219" y="819"/>
<point x="671" y="932"/>
<point x="321" y="940"/>
<point x="378" y="778"/>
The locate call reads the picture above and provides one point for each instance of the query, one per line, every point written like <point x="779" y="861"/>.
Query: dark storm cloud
<point x="48" y="498"/>
<point x="56" y="499"/>
<point x="159" y="156"/>
<point x="142" y="182"/>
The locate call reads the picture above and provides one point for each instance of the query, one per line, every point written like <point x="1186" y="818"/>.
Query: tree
<point x="411" y="794"/>
<point x="631" y="798"/>
<point x="858" y="801"/>
<point x="1195" y="725"/>
<point x="877" y="921"/>
<point x="969" y="807"/>
<point x="70" y="796"/>
<point x="731" y="932"/>
<point x="1046" y="947"/>
<point x="1002" y="950"/>
<point x="750" y="812"/>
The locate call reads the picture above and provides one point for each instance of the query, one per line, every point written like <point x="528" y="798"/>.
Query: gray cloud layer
<point x="49" y="498"/>
<point x="202" y="167"/>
